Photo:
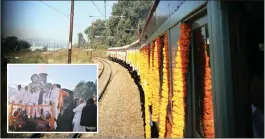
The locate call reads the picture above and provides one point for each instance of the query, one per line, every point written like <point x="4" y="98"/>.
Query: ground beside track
<point x="120" y="110"/>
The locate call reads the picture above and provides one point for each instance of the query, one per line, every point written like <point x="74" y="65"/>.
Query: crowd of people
<point x="51" y="97"/>
<point x="85" y="118"/>
<point x="45" y="99"/>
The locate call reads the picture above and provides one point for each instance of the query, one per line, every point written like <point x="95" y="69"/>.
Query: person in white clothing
<point x="18" y="98"/>
<point x="36" y="99"/>
<point x="25" y="96"/>
<point x="30" y="102"/>
<point x="77" y="117"/>
<point x="55" y="100"/>
<point x="25" y="99"/>
<point x="47" y="101"/>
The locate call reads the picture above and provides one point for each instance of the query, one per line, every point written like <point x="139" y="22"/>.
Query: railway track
<point x="104" y="76"/>
<point x="100" y="67"/>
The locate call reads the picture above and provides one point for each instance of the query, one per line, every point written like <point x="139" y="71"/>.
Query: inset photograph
<point x="52" y="98"/>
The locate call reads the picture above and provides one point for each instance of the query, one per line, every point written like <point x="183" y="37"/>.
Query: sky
<point x="68" y="76"/>
<point x="34" y="19"/>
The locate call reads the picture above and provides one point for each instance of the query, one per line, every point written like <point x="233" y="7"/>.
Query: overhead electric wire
<point x="97" y="8"/>
<point x="56" y="10"/>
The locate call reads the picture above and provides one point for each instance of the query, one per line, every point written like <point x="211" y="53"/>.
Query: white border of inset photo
<point x="51" y="65"/>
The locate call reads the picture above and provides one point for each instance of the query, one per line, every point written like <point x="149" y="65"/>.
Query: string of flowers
<point x="165" y="90"/>
<point x="143" y="61"/>
<point x="152" y="53"/>
<point x="207" y="117"/>
<point x="152" y="77"/>
<point x="156" y="84"/>
<point x="180" y="82"/>
<point x="149" y="75"/>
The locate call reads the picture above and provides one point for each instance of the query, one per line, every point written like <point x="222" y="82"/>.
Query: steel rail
<point x="101" y="71"/>
<point x="78" y="135"/>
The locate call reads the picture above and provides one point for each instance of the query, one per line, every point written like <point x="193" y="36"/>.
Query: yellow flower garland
<point x="155" y="82"/>
<point x="165" y="90"/>
<point x="180" y="83"/>
<point x="143" y="61"/>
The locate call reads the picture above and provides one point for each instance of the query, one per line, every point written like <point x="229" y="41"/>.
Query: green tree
<point x="80" y="39"/>
<point x="120" y="31"/>
<point x="85" y="90"/>
<point x="13" y="44"/>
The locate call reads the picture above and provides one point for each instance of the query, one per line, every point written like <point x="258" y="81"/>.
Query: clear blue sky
<point x="68" y="76"/>
<point x="33" y="19"/>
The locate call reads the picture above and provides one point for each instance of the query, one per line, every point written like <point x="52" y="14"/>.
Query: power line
<point x="55" y="9"/>
<point x="97" y="8"/>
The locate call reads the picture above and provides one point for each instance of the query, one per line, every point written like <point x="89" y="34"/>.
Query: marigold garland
<point x="144" y="70"/>
<point x="165" y="90"/>
<point x="180" y="82"/>
<point x="207" y="117"/>
<point x="155" y="81"/>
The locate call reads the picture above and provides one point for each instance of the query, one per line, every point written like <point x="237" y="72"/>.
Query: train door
<point x="200" y="112"/>
<point x="246" y="28"/>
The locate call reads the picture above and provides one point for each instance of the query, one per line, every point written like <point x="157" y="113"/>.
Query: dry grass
<point x="79" y="56"/>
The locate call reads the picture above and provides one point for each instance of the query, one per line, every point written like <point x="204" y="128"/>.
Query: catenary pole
<point x="71" y="32"/>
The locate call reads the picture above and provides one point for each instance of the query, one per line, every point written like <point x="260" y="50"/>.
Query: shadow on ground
<point x="137" y="80"/>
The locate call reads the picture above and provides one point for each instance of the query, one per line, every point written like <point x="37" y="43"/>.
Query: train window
<point x="174" y="35"/>
<point x="200" y="45"/>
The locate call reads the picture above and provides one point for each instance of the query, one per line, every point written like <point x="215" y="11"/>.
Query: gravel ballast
<point x="119" y="109"/>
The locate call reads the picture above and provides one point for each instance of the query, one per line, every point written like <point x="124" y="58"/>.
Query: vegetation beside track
<point x="79" y="56"/>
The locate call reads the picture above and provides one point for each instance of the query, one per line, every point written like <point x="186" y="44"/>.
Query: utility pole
<point x="71" y="32"/>
<point x="53" y="46"/>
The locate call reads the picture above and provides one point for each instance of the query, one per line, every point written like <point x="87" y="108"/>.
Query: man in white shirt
<point x="31" y="100"/>
<point x="18" y="98"/>
<point x="25" y="99"/>
<point x="25" y="95"/>
<point x="47" y="101"/>
<point x="36" y="101"/>
<point x="77" y="117"/>
<point x="55" y="100"/>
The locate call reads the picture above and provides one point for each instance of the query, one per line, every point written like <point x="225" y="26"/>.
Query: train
<point x="201" y="66"/>
<point x="20" y="121"/>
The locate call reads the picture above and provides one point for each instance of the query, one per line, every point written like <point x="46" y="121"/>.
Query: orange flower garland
<point x="165" y="90"/>
<point x="155" y="84"/>
<point x="152" y="53"/>
<point x="208" y="118"/>
<point x="180" y="82"/>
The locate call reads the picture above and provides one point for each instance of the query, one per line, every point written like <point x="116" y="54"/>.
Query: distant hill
<point x="44" y="42"/>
